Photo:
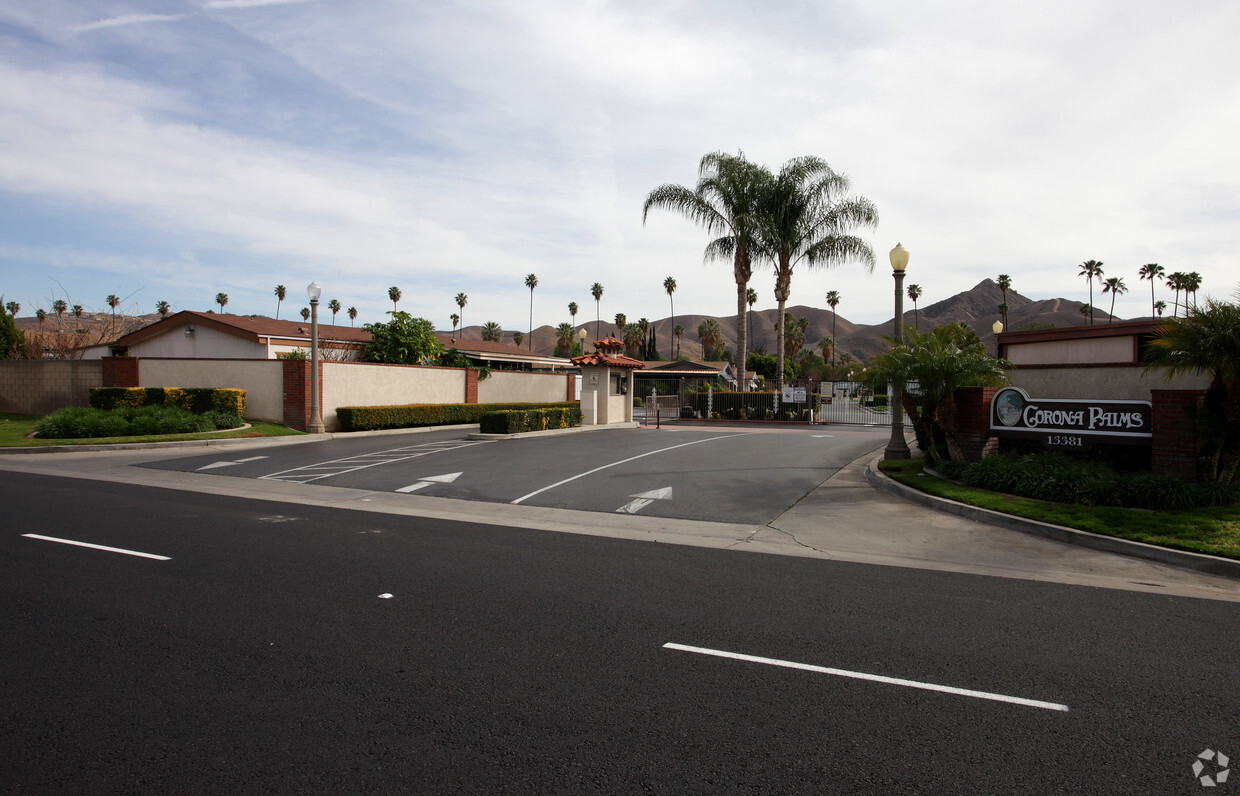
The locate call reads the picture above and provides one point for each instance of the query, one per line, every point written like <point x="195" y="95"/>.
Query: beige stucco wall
<point x="1073" y="352"/>
<point x="38" y="387"/>
<point x="205" y="342"/>
<point x="1115" y="383"/>
<point x="262" y="380"/>
<point x="369" y="384"/>
<point x="522" y="388"/>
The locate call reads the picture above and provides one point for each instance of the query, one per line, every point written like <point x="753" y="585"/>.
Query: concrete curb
<point x="554" y="432"/>
<point x="1198" y="562"/>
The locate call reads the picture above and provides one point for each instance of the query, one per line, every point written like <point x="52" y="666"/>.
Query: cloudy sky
<point x="175" y="149"/>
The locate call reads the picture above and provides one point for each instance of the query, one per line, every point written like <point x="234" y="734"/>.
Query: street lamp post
<point x="897" y="448"/>
<point x="315" y="426"/>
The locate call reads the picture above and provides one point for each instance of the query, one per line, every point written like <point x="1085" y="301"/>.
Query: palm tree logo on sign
<point x="1220" y="769"/>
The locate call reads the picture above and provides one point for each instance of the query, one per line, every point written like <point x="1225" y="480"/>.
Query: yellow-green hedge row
<point x="191" y="399"/>
<point x="370" y="418"/>
<point x="515" y="421"/>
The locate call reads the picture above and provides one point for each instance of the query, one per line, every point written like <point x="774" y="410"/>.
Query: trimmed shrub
<point x="516" y="421"/>
<point x="223" y="420"/>
<point x="126" y="421"/>
<point x="370" y="418"/>
<point x="192" y="399"/>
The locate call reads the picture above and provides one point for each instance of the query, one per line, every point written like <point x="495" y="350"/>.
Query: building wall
<point x="1110" y="383"/>
<point x="516" y="387"/>
<point x="205" y="342"/>
<point x="262" y="380"/>
<point x="39" y="387"/>
<point x="1073" y="352"/>
<point x="370" y="384"/>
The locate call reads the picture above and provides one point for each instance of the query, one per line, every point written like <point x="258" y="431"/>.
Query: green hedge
<point x="371" y="418"/>
<point x="516" y="421"/>
<point x="192" y="399"/>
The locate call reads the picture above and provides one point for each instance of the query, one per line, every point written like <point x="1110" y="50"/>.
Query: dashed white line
<point x="876" y="678"/>
<point x="95" y="546"/>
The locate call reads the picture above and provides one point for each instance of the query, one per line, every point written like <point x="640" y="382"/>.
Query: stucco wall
<point x="1073" y="352"/>
<point x="1115" y="383"/>
<point x="369" y="384"/>
<point x="532" y="388"/>
<point x="262" y="380"/>
<point x="38" y="387"/>
<point x="205" y="342"/>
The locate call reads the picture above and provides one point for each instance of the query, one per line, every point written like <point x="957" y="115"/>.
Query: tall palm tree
<point x="825" y="345"/>
<point x="1192" y="281"/>
<point x="833" y="301"/>
<point x="564" y="339"/>
<point x="669" y="287"/>
<point x="461" y="300"/>
<point x="914" y="293"/>
<point x="751" y="298"/>
<point x="352" y="313"/>
<point x="455" y="320"/>
<point x="622" y="321"/>
<point x="1005" y="284"/>
<point x="1091" y="269"/>
<point x="162" y="308"/>
<point x="679" y="331"/>
<point x="113" y="301"/>
<point x="596" y="290"/>
<point x="491" y="332"/>
<point x="222" y="300"/>
<point x="1116" y="287"/>
<point x="281" y="292"/>
<point x="1152" y="272"/>
<point x="41" y="315"/>
<point x="1175" y="281"/>
<point x="393" y="296"/>
<point x="334" y="306"/>
<point x="725" y="202"/>
<point x="531" y="282"/>
<point x="1003" y="311"/>
<point x="572" y="311"/>
<point x="807" y="215"/>
<point x="60" y="307"/>
<point x="711" y="335"/>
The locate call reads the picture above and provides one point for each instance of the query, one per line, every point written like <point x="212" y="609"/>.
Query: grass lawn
<point x="15" y="428"/>
<point x="1215" y="531"/>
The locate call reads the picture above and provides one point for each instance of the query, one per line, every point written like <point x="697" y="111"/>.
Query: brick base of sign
<point x="1175" y="449"/>
<point x="120" y="372"/>
<point x="973" y="422"/>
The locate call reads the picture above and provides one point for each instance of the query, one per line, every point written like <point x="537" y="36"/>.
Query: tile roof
<point x="614" y="360"/>
<point x="245" y="326"/>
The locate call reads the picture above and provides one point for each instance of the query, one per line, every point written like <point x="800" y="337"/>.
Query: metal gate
<point x="851" y="402"/>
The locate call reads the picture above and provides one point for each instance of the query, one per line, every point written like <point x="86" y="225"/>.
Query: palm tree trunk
<point x="783" y="287"/>
<point x="742" y="270"/>
<point x="947" y="421"/>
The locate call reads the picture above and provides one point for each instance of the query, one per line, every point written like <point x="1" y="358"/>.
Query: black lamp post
<point x="897" y="448"/>
<point x="315" y="426"/>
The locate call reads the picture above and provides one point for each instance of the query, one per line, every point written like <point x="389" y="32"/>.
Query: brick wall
<point x="296" y="393"/>
<point x="471" y="386"/>
<point x="120" y="372"/>
<point x="572" y="387"/>
<point x="973" y="422"/>
<point x="42" y="386"/>
<point x="1175" y="449"/>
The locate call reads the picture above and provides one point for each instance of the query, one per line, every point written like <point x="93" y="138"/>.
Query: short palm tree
<point x="679" y="331"/>
<point x="491" y="332"/>
<point x="41" y="315"/>
<point x="78" y="310"/>
<point x="334" y="306"/>
<point x="393" y="296"/>
<point x="622" y="321"/>
<point x="162" y="308"/>
<point x="833" y="301"/>
<point x="827" y="346"/>
<point x="13" y="307"/>
<point x="564" y="339"/>
<point x="632" y="339"/>
<point x="222" y="300"/>
<point x="281" y="292"/>
<point x="461" y="300"/>
<point x="572" y="311"/>
<point x="455" y="320"/>
<point x="1160" y="307"/>
<point x="1091" y="269"/>
<point x="1116" y="287"/>
<point x="596" y="290"/>
<point x="914" y="293"/>
<point x="1152" y="272"/>
<point x="751" y="298"/>
<point x="711" y="335"/>
<point x="113" y="301"/>
<point x="531" y="282"/>
<point x="305" y="313"/>
<point x="352" y="313"/>
<point x="669" y="287"/>
<point x="517" y="338"/>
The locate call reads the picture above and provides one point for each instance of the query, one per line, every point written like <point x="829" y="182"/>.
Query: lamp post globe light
<point x="897" y="448"/>
<point x="315" y="426"/>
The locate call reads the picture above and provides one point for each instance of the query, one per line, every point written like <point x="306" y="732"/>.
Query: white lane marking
<point x="822" y="436"/>
<point x="876" y="678"/>
<point x="644" y="499"/>
<point x="95" y="546"/>
<point x="622" y="461"/>
<point x="213" y="465"/>
<point x="313" y="472"/>
<point x="446" y="478"/>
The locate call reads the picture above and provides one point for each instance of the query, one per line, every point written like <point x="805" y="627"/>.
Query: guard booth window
<point x="619" y="384"/>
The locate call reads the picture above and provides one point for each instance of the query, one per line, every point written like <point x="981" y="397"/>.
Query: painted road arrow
<point x="447" y="478"/>
<point x="213" y="465"/>
<point x="644" y="499"/>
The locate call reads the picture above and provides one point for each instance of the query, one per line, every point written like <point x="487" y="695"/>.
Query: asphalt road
<point x="263" y="657"/>
<point x="713" y="474"/>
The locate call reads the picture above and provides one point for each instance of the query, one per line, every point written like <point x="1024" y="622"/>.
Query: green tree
<point x="572" y="311"/>
<point x="281" y="293"/>
<point x="679" y="331"/>
<point x="1091" y="270"/>
<point x="1152" y="272"/>
<point x="334" y="306"/>
<point x="393" y="296"/>
<point x="1005" y="284"/>
<point x="113" y="302"/>
<point x="622" y="322"/>
<point x="807" y="215"/>
<point x="461" y="299"/>
<point x="564" y="339"/>
<point x="455" y="320"/>
<point x="11" y="338"/>
<point x="725" y="201"/>
<point x="1207" y="341"/>
<point x="633" y="336"/>
<point x="531" y="281"/>
<point x="940" y="361"/>
<point x="1192" y="281"/>
<point x="305" y="313"/>
<point x="751" y="298"/>
<point x="59" y="306"/>
<point x="711" y="335"/>
<point x="833" y="301"/>
<point x="78" y="309"/>
<point x="914" y="293"/>
<point x="596" y="290"/>
<point x="827" y="346"/>
<point x="404" y="340"/>
<point x="491" y="332"/>
<point x="1116" y="287"/>
<point x="221" y="299"/>
<point x="162" y="308"/>
<point x="13" y="307"/>
<point x="669" y="287"/>
<point x="41" y="315"/>
<point x="517" y="338"/>
<point x="1160" y="307"/>
<point x="352" y="313"/>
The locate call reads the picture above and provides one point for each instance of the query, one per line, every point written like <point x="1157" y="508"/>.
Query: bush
<point x="197" y="400"/>
<point x="516" y="421"/>
<point x="370" y="418"/>
<point x="126" y="421"/>
<point x="221" y="419"/>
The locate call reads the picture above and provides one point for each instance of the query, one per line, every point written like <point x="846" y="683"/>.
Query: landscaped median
<point x="15" y="431"/>
<point x="373" y="418"/>
<point x="1212" y="531"/>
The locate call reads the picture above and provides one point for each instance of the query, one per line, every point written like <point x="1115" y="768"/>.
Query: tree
<point x="281" y="292"/>
<point x="517" y="337"/>
<point x="531" y="282"/>
<point x="352" y="313"/>
<point x="305" y="313"/>
<point x="596" y="290"/>
<point x="833" y="301"/>
<point x="941" y="361"/>
<point x="162" y="308"/>
<point x="914" y="293"/>
<point x="1160" y="307"/>
<point x="633" y="337"/>
<point x="1207" y="341"/>
<point x="1192" y="281"/>
<point x="60" y="306"/>
<point x="491" y="332"/>
<point x="1005" y="284"/>
<point x="1003" y="311"/>
<point x="221" y="299"/>
<point x="807" y="215"/>
<point x="1091" y="269"/>
<point x="455" y="320"/>
<point x="794" y="334"/>
<point x="827" y="346"/>
<point x="393" y="296"/>
<point x="113" y="302"/>
<point x="572" y="311"/>
<point x="334" y="306"/>
<point x="622" y="322"/>
<point x="404" y="340"/>
<point x="78" y="309"/>
<point x="11" y="338"/>
<point x="1152" y="272"/>
<point x="679" y="331"/>
<point x="669" y="287"/>
<point x="1116" y="287"/>
<point x="461" y="300"/>
<point x="41" y="315"/>
<point x="751" y="298"/>
<point x="564" y="339"/>
<point x="13" y="307"/>
<point x="711" y="335"/>
<point x="1087" y="311"/>
<point x="725" y="201"/>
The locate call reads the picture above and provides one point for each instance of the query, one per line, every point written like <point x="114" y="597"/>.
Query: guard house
<point x="606" y="384"/>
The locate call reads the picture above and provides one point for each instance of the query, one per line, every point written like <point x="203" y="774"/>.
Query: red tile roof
<point x="603" y="358"/>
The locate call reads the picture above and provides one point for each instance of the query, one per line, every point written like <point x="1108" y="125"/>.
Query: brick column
<point x="973" y="422"/>
<point x="572" y="387"/>
<point x="120" y="372"/>
<point x="297" y="393"/>
<point x="1175" y="449"/>
<point x="471" y="386"/>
